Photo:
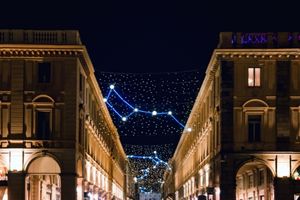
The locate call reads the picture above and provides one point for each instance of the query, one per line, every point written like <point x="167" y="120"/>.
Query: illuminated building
<point x="245" y="138"/>
<point x="56" y="135"/>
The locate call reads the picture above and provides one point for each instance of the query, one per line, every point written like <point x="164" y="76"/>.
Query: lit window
<point x="254" y="77"/>
<point x="254" y="128"/>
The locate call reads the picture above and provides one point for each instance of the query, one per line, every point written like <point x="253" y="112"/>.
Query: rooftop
<point x="19" y="36"/>
<point x="268" y="40"/>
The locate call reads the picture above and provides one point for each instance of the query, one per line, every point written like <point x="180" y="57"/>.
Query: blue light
<point x="134" y="110"/>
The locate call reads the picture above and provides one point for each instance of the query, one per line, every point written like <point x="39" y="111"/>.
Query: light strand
<point x="155" y="159"/>
<point x="136" y="110"/>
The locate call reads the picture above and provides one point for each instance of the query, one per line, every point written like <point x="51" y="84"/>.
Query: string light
<point x="136" y="110"/>
<point x="155" y="159"/>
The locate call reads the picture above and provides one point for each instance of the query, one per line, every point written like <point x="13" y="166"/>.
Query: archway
<point x="43" y="179"/>
<point x="254" y="180"/>
<point x="3" y="182"/>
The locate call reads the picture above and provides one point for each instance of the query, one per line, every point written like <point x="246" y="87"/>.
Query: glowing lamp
<point x="16" y="160"/>
<point x="155" y="152"/>
<point x="170" y="113"/>
<point x="105" y="99"/>
<point x="112" y="87"/>
<point x="283" y="166"/>
<point x="189" y="129"/>
<point x="124" y="119"/>
<point x="135" y="110"/>
<point x="154" y="113"/>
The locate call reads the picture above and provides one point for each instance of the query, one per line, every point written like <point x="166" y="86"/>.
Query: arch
<point x="252" y="174"/>
<point x="43" y="165"/>
<point x="43" y="98"/>
<point x="254" y="161"/>
<point x="255" y="103"/>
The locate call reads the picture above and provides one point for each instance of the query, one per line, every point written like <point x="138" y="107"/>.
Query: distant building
<point x="150" y="196"/>
<point x="245" y="139"/>
<point x="57" y="140"/>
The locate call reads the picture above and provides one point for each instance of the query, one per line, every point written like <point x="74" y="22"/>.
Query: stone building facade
<point x="57" y="140"/>
<point x="245" y="138"/>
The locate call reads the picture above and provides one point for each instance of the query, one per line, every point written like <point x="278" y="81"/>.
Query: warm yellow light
<point x="283" y="167"/>
<point x="16" y="160"/>
<point x="5" y="195"/>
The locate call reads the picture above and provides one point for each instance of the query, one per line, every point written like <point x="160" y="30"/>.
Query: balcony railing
<point x="70" y="37"/>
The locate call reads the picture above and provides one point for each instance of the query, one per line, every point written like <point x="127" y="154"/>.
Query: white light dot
<point x="124" y="119"/>
<point x="154" y="113"/>
<point x="112" y="87"/>
<point x="170" y="113"/>
<point x="154" y="152"/>
<point x="105" y="99"/>
<point x="135" y="110"/>
<point x="189" y="129"/>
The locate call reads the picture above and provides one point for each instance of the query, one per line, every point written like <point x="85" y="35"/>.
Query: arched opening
<point x="254" y="180"/>
<point x="3" y="182"/>
<point x="43" y="179"/>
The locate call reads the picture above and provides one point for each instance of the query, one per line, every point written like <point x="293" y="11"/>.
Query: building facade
<point x="245" y="138"/>
<point x="57" y="140"/>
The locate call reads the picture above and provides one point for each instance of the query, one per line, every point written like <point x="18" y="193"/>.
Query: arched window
<point x="255" y="112"/>
<point x="43" y="106"/>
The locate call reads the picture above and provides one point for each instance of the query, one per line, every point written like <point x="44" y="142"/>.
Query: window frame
<point x="50" y="73"/>
<point x="261" y="128"/>
<point x="254" y="75"/>
<point x="43" y="106"/>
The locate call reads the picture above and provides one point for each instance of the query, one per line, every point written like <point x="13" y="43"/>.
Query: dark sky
<point x="144" y="36"/>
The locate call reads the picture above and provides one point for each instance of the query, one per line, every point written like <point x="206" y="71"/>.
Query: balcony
<point x="68" y="37"/>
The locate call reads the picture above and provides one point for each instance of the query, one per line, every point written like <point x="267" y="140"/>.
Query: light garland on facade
<point x="136" y="110"/>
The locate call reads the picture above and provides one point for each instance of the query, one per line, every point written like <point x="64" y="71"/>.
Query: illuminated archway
<point x="254" y="180"/>
<point x="3" y="182"/>
<point x="43" y="179"/>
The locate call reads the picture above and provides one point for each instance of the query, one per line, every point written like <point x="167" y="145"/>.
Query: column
<point x="283" y="188"/>
<point x="68" y="186"/>
<point x="16" y="185"/>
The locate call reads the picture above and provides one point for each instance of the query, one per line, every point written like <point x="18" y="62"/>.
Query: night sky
<point x="154" y="53"/>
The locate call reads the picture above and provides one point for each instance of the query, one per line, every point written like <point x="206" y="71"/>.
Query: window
<point x="44" y="72"/>
<point x="43" y="125"/>
<point x="261" y="177"/>
<point x="254" y="77"/>
<point x="251" y="181"/>
<point x="254" y="128"/>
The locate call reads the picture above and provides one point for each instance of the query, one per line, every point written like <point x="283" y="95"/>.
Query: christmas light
<point x="134" y="110"/>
